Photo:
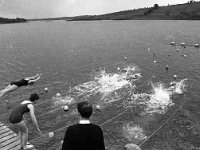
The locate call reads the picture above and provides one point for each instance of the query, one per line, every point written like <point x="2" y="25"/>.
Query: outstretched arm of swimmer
<point x="31" y="108"/>
<point x="34" y="79"/>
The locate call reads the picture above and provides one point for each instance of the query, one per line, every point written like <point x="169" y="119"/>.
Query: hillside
<point x="187" y="11"/>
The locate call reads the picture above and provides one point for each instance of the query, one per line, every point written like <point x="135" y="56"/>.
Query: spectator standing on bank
<point x="84" y="135"/>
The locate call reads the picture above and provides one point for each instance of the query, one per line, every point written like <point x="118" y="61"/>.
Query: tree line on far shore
<point x="15" y="20"/>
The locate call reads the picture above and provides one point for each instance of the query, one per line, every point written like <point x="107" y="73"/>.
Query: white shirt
<point x="84" y="122"/>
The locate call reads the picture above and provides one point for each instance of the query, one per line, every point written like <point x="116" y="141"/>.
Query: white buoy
<point x="154" y="61"/>
<point x="45" y="89"/>
<point x="196" y="45"/>
<point x="183" y="44"/>
<point x="175" y="76"/>
<point x="65" y="108"/>
<point x="177" y="49"/>
<point x="61" y="142"/>
<point x="51" y="134"/>
<point x="118" y="68"/>
<point x="167" y="67"/>
<point x="173" y="43"/>
<point x="98" y="107"/>
<point x="125" y="58"/>
<point x="58" y="95"/>
<point x="184" y="55"/>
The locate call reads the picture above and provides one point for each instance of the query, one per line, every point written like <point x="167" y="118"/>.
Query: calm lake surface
<point x="66" y="53"/>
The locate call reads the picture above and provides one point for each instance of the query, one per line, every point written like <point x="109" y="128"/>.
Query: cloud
<point x="2" y="2"/>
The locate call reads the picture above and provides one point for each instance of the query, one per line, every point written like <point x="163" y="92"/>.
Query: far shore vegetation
<point x="187" y="11"/>
<point x="16" y="20"/>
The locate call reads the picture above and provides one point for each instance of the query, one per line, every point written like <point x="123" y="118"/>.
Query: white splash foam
<point x="159" y="99"/>
<point x="132" y="131"/>
<point x="108" y="84"/>
<point x="67" y="100"/>
<point x="178" y="87"/>
<point x="111" y="87"/>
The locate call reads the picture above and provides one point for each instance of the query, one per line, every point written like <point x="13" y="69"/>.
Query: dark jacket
<point x="83" y="137"/>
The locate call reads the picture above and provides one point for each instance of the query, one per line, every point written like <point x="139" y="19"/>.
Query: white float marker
<point x="196" y="45"/>
<point x="58" y="95"/>
<point x="51" y="134"/>
<point x="65" y="108"/>
<point x="61" y="142"/>
<point x="98" y="107"/>
<point x="173" y="43"/>
<point x="175" y="76"/>
<point x="46" y="89"/>
<point x="167" y="67"/>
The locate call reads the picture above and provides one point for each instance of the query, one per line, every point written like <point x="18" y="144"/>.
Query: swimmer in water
<point x="133" y="77"/>
<point x="177" y="86"/>
<point x="17" y="119"/>
<point x="23" y="82"/>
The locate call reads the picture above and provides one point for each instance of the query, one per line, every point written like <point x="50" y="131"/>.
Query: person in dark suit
<point x="84" y="135"/>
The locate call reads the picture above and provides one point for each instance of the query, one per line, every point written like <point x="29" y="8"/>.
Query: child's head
<point x="34" y="97"/>
<point x="85" y="109"/>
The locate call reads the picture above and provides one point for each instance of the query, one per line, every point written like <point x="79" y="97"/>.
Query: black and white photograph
<point x="99" y="75"/>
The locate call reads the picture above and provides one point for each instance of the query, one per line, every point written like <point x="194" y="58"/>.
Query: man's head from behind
<point x="84" y="109"/>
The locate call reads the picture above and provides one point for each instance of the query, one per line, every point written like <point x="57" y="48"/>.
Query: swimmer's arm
<point x="33" y="77"/>
<point x="31" y="108"/>
<point x="34" y="80"/>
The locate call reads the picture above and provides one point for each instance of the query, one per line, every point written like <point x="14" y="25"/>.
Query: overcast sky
<point x="60" y="8"/>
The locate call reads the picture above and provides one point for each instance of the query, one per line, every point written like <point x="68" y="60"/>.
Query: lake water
<point x="69" y="54"/>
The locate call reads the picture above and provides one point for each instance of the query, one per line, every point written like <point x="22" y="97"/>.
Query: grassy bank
<point x="187" y="11"/>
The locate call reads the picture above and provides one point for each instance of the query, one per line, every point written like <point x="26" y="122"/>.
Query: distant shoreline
<point x="187" y="11"/>
<point x="9" y="21"/>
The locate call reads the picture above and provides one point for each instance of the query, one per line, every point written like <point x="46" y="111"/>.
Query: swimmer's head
<point x="31" y="83"/>
<point x="34" y="97"/>
<point x="85" y="109"/>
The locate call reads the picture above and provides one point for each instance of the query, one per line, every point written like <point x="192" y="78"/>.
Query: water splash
<point x="65" y="100"/>
<point x="108" y="85"/>
<point x="107" y="88"/>
<point x="133" y="132"/>
<point x="159" y="99"/>
<point x="178" y="87"/>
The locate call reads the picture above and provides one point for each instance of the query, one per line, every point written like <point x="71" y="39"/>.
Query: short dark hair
<point x="34" y="97"/>
<point x="85" y="109"/>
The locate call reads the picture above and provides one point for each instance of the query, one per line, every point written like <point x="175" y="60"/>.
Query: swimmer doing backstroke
<point x="16" y="84"/>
